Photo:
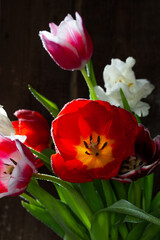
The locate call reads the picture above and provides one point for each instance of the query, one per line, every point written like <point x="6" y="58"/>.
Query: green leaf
<point x="108" y="192"/>
<point x="157" y="237"/>
<point x="45" y="159"/>
<point x="100" y="226"/>
<point x="150" y="232"/>
<point x="48" y="152"/>
<point x="49" y="105"/>
<point x="43" y="215"/>
<point x="126" y="105"/>
<point x="77" y="204"/>
<point x="91" y="195"/>
<point x="124" y="101"/>
<point x="135" y="192"/>
<point x="130" y="219"/>
<point x="61" y="214"/>
<point x="131" y="193"/>
<point x="147" y="192"/>
<point x="125" y="207"/>
<point x="155" y="202"/>
<point x="137" y="231"/>
<point x="110" y="199"/>
<point x="71" y="195"/>
<point x="120" y="189"/>
<point x="30" y="199"/>
<point x="66" y="237"/>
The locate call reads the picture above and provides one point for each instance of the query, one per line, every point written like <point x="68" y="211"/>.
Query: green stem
<point x="148" y="188"/>
<point x="90" y="71"/>
<point x="108" y="192"/>
<point x="120" y="190"/>
<point x="123" y="231"/>
<point x="110" y="199"/>
<point x="89" y="84"/>
<point x="137" y="190"/>
<point x="51" y="179"/>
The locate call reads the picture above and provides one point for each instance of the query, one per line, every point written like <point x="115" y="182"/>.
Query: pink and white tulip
<point x="17" y="164"/>
<point x="69" y="44"/>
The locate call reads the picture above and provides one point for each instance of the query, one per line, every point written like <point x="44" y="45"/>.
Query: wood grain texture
<point x="118" y="28"/>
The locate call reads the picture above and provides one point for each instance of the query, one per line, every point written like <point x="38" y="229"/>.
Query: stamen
<point x="104" y="145"/>
<point x="85" y="143"/>
<point x="93" y="146"/>
<point x="91" y="138"/>
<point x="141" y="163"/>
<point x="13" y="161"/>
<point x="98" y="140"/>
<point x="87" y="153"/>
<point x="4" y="172"/>
<point x="130" y="164"/>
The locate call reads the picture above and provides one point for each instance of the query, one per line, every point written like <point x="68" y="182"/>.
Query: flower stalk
<point x="89" y="84"/>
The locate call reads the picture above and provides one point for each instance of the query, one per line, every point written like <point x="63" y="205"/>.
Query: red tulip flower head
<point x="17" y="165"/>
<point x="69" y="44"/>
<point x="144" y="161"/>
<point x="92" y="138"/>
<point x="35" y="127"/>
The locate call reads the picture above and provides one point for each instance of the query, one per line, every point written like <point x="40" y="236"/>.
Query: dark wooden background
<point x="119" y="28"/>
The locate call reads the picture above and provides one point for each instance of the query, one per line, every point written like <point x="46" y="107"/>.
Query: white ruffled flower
<point x="6" y="127"/>
<point x="120" y="75"/>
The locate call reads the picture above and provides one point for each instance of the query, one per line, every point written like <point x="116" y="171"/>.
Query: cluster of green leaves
<point x="91" y="211"/>
<point x="106" y="210"/>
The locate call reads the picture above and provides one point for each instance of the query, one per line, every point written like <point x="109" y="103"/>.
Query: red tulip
<point x="35" y="127"/>
<point x="92" y="138"/>
<point x="17" y="164"/>
<point x="144" y="161"/>
<point x="69" y="44"/>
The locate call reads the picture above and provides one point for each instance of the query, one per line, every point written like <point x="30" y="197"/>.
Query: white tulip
<point x="120" y="75"/>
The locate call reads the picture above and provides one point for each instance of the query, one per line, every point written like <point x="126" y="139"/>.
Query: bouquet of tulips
<point x="100" y="158"/>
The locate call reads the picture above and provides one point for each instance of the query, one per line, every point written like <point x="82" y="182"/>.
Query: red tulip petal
<point x="35" y="127"/>
<point x="71" y="171"/>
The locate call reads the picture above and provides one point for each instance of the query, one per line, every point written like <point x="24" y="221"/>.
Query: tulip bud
<point x="69" y="44"/>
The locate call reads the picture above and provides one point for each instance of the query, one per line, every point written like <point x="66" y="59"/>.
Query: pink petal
<point x="53" y="28"/>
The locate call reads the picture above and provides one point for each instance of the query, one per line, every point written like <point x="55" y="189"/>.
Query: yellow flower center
<point x="9" y="168"/>
<point x="95" y="151"/>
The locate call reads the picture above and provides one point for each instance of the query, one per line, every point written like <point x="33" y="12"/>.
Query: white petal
<point x="141" y="109"/>
<point x="120" y="75"/>
<point x="2" y="111"/>
<point x="100" y="93"/>
<point x="6" y="127"/>
<point x="21" y="138"/>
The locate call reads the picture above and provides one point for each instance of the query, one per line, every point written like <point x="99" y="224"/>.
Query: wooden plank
<point x="118" y="28"/>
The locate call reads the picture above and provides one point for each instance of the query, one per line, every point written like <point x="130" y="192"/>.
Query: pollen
<point x="95" y="151"/>
<point x="93" y="147"/>
<point x="130" y="84"/>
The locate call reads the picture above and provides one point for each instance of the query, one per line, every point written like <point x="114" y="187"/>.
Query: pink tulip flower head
<point x="17" y="165"/>
<point x="69" y="44"/>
